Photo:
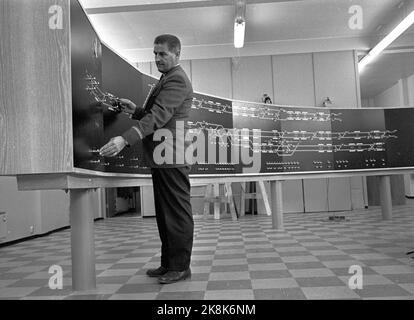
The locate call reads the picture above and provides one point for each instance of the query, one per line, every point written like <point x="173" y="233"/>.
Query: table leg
<point x="385" y="197"/>
<point x="82" y="240"/>
<point x="242" y="199"/>
<point x="277" y="204"/>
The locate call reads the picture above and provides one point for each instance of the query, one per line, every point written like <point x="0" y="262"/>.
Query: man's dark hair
<point x="173" y="43"/>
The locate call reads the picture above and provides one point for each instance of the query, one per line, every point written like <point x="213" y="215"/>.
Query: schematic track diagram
<point x="374" y="134"/>
<point x="328" y="135"/>
<point x="206" y="126"/>
<point x="279" y="113"/>
<point x="287" y="143"/>
<point x="211" y="106"/>
<point x="213" y="130"/>
<point x="111" y="102"/>
<point x="289" y="148"/>
<point x="227" y="135"/>
<point x="263" y="112"/>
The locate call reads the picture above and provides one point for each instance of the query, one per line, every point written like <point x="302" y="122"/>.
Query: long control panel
<point x="228" y="136"/>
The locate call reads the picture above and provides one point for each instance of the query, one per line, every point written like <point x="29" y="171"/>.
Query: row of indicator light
<point x="118" y="165"/>
<point x="292" y="163"/>
<point x="319" y="164"/>
<point x="342" y="163"/>
<point x="373" y="162"/>
<point x="282" y="168"/>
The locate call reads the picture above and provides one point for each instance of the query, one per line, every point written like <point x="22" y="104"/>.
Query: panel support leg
<point x="385" y="197"/>
<point x="217" y="203"/>
<point x="82" y="240"/>
<point x="242" y="199"/>
<point x="277" y="205"/>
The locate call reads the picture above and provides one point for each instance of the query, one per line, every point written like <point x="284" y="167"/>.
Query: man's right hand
<point x="128" y="106"/>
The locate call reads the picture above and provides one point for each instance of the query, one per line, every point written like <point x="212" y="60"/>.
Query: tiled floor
<point x="246" y="259"/>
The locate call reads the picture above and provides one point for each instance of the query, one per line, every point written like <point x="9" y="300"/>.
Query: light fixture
<point x="239" y="23"/>
<point x="239" y="28"/>
<point x="394" y="34"/>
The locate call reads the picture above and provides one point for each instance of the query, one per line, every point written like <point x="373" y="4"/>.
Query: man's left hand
<point x="113" y="147"/>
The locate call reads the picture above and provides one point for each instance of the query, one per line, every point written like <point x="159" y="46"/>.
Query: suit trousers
<point x="174" y="216"/>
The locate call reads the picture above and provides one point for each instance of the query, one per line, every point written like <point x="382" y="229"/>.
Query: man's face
<point x="164" y="58"/>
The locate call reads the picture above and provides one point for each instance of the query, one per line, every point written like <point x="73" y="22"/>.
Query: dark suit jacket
<point x="164" y="119"/>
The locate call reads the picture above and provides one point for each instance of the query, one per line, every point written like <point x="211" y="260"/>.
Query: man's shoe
<point x="174" y="276"/>
<point x="157" y="272"/>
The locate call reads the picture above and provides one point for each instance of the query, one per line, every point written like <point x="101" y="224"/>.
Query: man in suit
<point x="166" y="108"/>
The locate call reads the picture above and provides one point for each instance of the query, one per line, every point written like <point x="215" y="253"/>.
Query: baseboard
<point x="12" y="242"/>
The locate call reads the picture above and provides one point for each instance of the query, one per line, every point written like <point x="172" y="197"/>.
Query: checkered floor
<point x="244" y="259"/>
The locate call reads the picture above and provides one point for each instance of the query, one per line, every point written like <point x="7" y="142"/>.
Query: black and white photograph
<point x="207" y="157"/>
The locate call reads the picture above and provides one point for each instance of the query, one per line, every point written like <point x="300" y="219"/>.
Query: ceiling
<point x="205" y="28"/>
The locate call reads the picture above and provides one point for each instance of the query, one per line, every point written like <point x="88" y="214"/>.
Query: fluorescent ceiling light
<point x="394" y="34"/>
<point x="239" y="27"/>
<point x="239" y="23"/>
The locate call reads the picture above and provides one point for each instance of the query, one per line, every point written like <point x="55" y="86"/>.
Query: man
<point x="167" y="107"/>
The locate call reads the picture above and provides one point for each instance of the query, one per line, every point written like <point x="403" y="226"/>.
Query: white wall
<point x="388" y="98"/>
<point x="296" y="79"/>
<point x="409" y="179"/>
<point x="31" y="213"/>
<point x="293" y="80"/>
<point x="251" y="77"/>
<point x="212" y="77"/>
<point x="22" y="210"/>
<point x="336" y="77"/>
<point x="54" y="210"/>
<point x="368" y="103"/>
<point x="410" y="87"/>
<point x="401" y="94"/>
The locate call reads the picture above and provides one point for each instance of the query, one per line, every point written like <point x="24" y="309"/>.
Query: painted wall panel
<point x="212" y="77"/>
<point x="55" y="209"/>
<point x="292" y="195"/>
<point x="358" y="192"/>
<point x="22" y="209"/>
<point x="251" y="77"/>
<point x="293" y="80"/>
<point x="339" y="194"/>
<point x="410" y="86"/>
<point x="315" y="195"/>
<point x="335" y="78"/>
<point x="388" y="98"/>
